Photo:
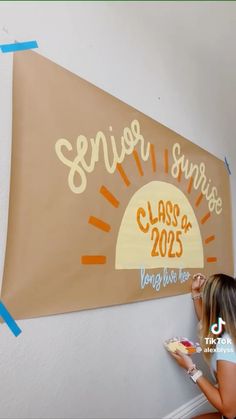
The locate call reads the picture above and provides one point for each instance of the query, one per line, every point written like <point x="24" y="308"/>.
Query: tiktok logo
<point x="216" y="328"/>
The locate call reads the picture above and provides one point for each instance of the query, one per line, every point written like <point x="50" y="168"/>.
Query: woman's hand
<point x="197" y="283"/>
<point x="184" y="361"/>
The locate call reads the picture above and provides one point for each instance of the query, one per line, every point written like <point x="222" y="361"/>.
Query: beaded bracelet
<point x="197" y="296"/>
<point x="191" y="369"/>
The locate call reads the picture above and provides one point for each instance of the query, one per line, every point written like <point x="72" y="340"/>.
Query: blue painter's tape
<point x="19" y="46"/>
<point x="4" y="313"/>
<point x="227" y="166"/>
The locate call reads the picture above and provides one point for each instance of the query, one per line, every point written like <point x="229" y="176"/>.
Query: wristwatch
<point x="196" y="375"/>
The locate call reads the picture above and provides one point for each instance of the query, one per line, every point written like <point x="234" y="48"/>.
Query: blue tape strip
<point x="19" y="46"/>
<point x="4" y="313"/>
<point x="227" y="166"/>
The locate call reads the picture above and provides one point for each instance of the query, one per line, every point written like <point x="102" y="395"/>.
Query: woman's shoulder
<point x="226" y="349"/>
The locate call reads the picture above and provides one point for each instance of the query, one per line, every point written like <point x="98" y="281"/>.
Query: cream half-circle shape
<point x="133" y="247"/>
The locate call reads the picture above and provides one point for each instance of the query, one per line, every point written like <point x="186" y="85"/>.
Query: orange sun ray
<point x="211" y="259"/>
<point x="179" y="175"/>
<point x="138" y="163"/>
<point x="209" y="239"/>
<point x="199" y="199"/>
<point x="153" y="157"/>
<point x="96" y="222"/>
<point x="205" y="218"/>
<point x="109" y="197"/>
<point x="93" y="260"/>
<point x="123" y="174"/>
<point x="166" y="160"/>
<point x="190" y="184"/>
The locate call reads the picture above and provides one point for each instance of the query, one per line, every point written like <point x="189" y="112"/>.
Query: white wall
<point x="176" y="63"/>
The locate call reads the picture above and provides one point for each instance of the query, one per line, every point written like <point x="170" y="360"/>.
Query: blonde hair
<point x="218" y="300"/>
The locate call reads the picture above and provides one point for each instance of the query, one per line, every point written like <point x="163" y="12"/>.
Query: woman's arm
<point x="224" y="397"/>
<point x="197" y="305"/>
<point x="197" y="284"/>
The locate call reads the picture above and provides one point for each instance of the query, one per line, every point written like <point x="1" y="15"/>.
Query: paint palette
<point x="183" y="345"/>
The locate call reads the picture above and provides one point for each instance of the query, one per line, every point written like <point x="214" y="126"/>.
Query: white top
<point x="225" y="351"/>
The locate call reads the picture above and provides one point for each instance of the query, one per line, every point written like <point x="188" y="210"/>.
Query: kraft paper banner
<point x="107" y="206"/>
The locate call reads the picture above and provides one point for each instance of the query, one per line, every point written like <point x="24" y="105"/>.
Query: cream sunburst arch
<point x="133" y="247"/>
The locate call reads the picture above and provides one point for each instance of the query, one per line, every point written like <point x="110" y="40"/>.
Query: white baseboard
<point x="194" y="407"/>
